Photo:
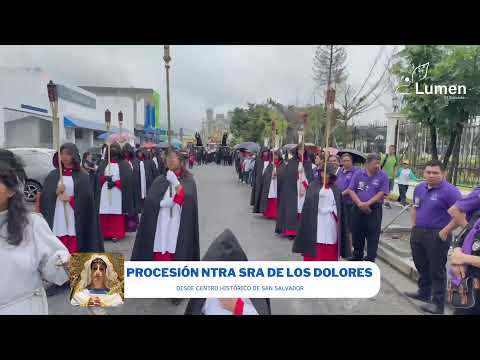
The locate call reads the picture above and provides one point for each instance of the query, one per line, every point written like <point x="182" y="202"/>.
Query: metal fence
<point x="414" y="144"/>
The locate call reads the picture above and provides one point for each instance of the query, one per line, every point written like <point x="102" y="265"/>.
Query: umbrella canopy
<point x="106" y="135"/>
<point x="249" y="146"/>
<point x="312" y="148"/>
<point x="357" y="156"/>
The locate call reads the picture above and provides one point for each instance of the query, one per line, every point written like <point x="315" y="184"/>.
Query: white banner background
<point x="268" y="287"/>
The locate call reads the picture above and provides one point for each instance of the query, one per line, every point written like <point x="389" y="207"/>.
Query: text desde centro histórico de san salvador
<point x="191" y="272"/>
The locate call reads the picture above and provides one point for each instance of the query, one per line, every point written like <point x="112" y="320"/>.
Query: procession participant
<point x="465" y="263"/>
<point x="344" y="177"/>
<point x="191" y="159"/>
<point x="432" y="198"/>
<point x="296" y="177"/>
<point x="464" y="212"/>
<point x="89" y="167"/>
<point x="322" y="229"/>
<point x="368" y="188"/>
<point x="227" y="248"/>
<point x="404" y="175"/>
<point x="115" y="194"/>
<point x="268" y="198"/>
<point x="389" y="164"/>
<point x="335" y="161"/>
<point x="257" y="181"/>
<point x="145" y="172"/>
<point x="165" y="237"/>
<point x="69" y="209"/>
<point x="30" y="253"/>
<point x="134" y="163"/>
<point x="318" y="162"/>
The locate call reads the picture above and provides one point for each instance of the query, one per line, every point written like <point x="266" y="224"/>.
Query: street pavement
<point x="224" y="203"/>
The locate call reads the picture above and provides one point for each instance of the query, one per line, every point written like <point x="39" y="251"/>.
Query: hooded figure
<point x="227" y="248"/>
<point x="322" y="231"/>
<point x="98" y="285"/>
<point x="115" y="194"/>
<point x="263" y="160"/>
<point x="169" y="224"/>
<point x="295" y="181"/>
<point x="129" y="157"/>
<point x="147" y="172"/>
<point x="72" y="214"/>
<point x="269" y="195"/>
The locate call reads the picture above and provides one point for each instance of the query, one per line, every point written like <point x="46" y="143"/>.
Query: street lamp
<point x="120" y="121"/>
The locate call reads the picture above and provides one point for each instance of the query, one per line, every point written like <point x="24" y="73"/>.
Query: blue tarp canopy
<point x="70" y="121"/>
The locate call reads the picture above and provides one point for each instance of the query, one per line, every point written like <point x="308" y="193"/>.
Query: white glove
<point x="172" y="178"/>
<point x="167" y="203"/>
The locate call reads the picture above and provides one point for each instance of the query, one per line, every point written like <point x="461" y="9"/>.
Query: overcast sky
<point x="220" y="77"/>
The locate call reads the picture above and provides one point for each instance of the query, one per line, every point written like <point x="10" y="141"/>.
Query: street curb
<point x="402" y="265"/>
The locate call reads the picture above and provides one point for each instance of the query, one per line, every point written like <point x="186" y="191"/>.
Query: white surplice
<point x="326" y="224"/>
<point x="300" y="186"/>
<point x="64" y="212"/>
<point x="143" y="181"/>
<point x="155" y="161"/>
<point x="265" y="164"/>
<point x="166" y="233"/>
<point x="114" y="204"/>
<point x="214" y="307"/>
<point x="24" y="266"/>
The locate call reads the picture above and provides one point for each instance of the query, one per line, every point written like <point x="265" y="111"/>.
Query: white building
<point x="25" y="115"/>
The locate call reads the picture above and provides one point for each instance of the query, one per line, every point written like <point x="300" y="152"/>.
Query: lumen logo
<point x="411" y="85"/>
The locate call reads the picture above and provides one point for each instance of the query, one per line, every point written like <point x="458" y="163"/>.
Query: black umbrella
<point x="357" y="156"/>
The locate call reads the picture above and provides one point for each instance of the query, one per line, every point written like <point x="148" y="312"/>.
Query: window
<point x="78" y="133"/>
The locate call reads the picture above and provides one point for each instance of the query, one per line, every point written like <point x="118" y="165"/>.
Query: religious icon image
<point x="96" y="280"/>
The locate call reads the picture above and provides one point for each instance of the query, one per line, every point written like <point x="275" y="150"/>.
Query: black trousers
<point x="402" y="189"/>
<point x="430" y="258"/>
<point x="366" y="227"/>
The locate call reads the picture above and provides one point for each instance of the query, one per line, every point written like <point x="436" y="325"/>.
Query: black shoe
<point x="415" y="295"/>
<point x="433" y="308"/>
<point x="353" y="258"/>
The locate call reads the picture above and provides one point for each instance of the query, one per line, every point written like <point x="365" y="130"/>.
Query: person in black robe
<point x="288" y="208"/>
<point x="150" y="174"/>
<point x="86" y="236"/>
<point x="331" y="242"/>
<point x="269" y="205"/>
<point x="130" y="158"/>
<point x="187" y="247"/>
<point x="227" y="248"/>
<point x="112" y="220"/>
<point x="263" y="159"/>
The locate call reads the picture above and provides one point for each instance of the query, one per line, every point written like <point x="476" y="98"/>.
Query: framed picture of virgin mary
<point x="96" y="280"/>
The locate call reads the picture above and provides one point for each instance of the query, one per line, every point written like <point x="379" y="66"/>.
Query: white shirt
<point x="24" y="266"/>
<point x="404" y="177"/>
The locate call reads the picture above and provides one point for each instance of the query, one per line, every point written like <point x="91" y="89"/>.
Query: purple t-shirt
<point x="470" y="203"/>
<point x="366" y="186"/>
<point x="344" y="177"/>
<point x="432" y="204"/>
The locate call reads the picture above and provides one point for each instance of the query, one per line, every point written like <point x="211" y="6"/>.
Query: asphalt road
<point x="224" y="203"/>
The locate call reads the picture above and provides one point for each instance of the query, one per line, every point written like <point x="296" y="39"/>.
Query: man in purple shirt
<point x="344" y="177"/>
<point x="431" y="199"/>
<point x="465" y="211"/>
<point x="367" y="189"/>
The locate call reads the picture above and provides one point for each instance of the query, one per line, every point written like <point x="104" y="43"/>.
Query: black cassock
<point x="150" y="175"/>
<point x="87" y="226"/>
<point x="287" y="207"/>
<point x="188" y="245"/>
<point x="281" y="171"/>
<point x="126" y="178"/>
<point x="267" y="178"/>
<point x="307" y="231"/>
<point x="226" y="248"/>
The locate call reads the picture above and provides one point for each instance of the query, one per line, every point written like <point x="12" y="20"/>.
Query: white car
<point x="38" y="164"/>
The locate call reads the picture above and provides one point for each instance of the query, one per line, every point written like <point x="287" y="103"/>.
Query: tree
<point x="426" y="110"/>
<point x="329" y="65"/>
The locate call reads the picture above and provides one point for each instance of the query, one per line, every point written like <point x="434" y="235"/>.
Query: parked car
<point x="38" y="164"/>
